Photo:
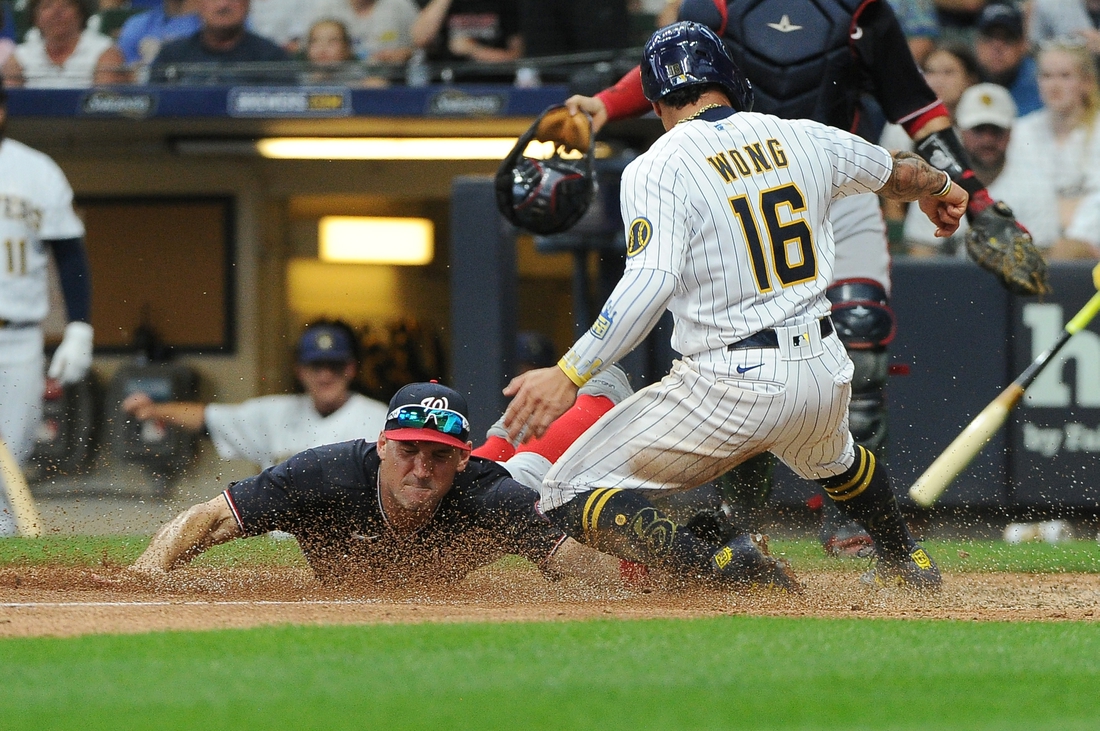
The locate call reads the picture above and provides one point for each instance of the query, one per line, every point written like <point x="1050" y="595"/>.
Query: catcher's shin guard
<point x="625" y="524"/>
<point x="865" y="324"/>
<point x="864" y="494"/>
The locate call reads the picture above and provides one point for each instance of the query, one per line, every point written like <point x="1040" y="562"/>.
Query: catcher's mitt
<point x="998" y="243"/>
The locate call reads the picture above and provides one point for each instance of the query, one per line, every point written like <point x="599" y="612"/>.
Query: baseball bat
<point x="930" y="485"/>
<point x="22" y="503"/>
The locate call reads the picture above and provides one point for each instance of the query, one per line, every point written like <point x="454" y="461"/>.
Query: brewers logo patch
<point x="602" y="324"/>
<point x="641" y="231"/>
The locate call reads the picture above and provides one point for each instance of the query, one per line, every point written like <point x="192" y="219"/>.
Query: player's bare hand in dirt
<point x="946" y="211"/>
<point x="129" y="577"/>
<point x="540" y="396"/>
<point x="590" y="104"/>
<point x="138" y="405"/>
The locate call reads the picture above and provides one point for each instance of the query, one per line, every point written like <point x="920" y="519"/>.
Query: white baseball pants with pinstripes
<point x="706" y="417"/>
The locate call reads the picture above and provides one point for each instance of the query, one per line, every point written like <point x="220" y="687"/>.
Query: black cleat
<point x="744" y="562"/>
<point x="915" y="571"/>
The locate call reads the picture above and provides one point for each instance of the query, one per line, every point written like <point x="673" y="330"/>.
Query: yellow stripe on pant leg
<point x="589" y="529"/>
<point x="859" y="483"/>
<point x="593" y="508"/>
<point x="599" y="507"/>
<point x="26" y="514"/>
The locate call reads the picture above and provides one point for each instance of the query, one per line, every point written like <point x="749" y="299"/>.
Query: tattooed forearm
<point x="912" y="178"/>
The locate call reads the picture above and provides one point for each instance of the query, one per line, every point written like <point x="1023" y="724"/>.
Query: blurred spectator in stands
<point x="1061" y="143"/>
<point x="143" y="34"/>
<point x="7" y="50"/>
<point x="61" y="52"/>
<point x="1003" y="55"/>
<point x="958" y="19"/>
<point x="1053" y="19"/>
<point x="7" y="26"/>
<point x="380" y="30"/>
<point x="950" y="69"/>
<point x="328" y="44"/>
<point x="481" y="31"/>
<point x="286" y="22"/>
<point x="920" y="24"/>
<point x="331" y="57"/>
<point x="985" y="116"/>
<point x="1082" y="237"/>
<point x="221" y="39"/>
<point x="555" y="27"/>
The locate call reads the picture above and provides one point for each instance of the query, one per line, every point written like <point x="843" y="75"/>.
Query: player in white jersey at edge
<point x="727" y="228"/>
<point x="36" y="216"/>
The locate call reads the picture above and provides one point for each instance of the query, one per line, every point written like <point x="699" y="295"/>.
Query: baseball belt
<point x="768" y="338"/>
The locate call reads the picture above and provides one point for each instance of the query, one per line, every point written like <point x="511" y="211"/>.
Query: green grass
<point x="969" y="555"/>
<point x="718" y="673"/>
<point x="805" y="554"/>
<point x="122" y="550"/>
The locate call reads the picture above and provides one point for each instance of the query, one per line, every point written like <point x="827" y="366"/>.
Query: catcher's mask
<point x="689" y="54"/>
<point x="548" y="195"/>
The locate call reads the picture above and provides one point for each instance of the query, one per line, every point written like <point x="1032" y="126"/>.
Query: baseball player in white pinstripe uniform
<point x="36" y="216"/>
<point x="727" y="218"/>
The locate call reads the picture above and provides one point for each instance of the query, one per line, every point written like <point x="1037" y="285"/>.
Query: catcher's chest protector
<point x="798" y="56"/>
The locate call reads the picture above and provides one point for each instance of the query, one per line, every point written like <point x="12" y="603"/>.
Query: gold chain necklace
<point x="707" y="108"/>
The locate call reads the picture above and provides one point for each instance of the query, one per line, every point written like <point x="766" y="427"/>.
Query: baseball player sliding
<point x="36" y="216"/>
<point x="415" y="508"/>
<point x="726" y="228"/>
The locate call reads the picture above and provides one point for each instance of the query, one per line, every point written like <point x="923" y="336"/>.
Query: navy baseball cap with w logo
<point x="429" y="412"/>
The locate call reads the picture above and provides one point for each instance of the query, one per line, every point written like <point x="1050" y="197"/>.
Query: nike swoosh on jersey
<point x="785" y="25"/>
<point x="746" y="369"/>
<point x="857" y="33"/>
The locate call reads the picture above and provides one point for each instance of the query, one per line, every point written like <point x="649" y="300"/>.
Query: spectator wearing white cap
<point x="985" y="116"/>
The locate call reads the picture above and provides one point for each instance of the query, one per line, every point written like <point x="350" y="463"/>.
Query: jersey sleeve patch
<point x="641" y="231"/>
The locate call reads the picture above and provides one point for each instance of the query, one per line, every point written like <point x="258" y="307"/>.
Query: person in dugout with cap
<point x="268" y="429"/>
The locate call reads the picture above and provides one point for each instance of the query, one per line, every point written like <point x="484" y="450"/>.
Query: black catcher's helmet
<point x="547" y="196"/>
<point x="688" y="54"/>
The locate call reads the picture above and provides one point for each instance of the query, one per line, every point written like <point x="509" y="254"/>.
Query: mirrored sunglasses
<point x="443" y="421"/>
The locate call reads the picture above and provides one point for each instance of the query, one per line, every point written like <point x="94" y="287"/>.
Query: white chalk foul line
<point x="309" y="602"/>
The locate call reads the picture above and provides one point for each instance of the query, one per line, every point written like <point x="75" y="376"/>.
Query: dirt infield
<point x="44" y="601"/>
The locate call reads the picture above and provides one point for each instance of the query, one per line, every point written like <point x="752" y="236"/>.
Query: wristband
<point x="946" y="187"/>
<point x="577" y="378"/>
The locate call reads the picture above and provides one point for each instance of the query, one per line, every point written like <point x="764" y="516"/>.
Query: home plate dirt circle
<point x="67" y="601"/>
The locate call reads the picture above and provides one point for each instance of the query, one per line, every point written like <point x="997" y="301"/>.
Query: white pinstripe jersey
<point x="36" y="205"/>
<point x="734" y="207"/>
